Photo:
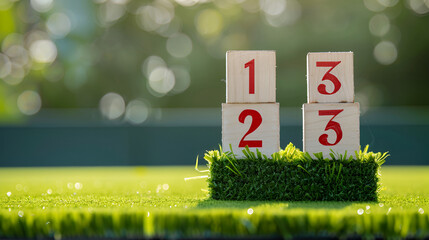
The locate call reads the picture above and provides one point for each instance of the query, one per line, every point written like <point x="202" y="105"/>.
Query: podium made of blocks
<point x="250" y="116"/>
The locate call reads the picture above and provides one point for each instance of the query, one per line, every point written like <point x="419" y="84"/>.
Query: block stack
<point x="250" y="116"/>
<point x="330" y="116"/>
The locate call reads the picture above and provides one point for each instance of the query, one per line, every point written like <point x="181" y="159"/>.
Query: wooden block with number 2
<point x="252" y="125"/>
<point x="250" y="77"/>
<point x="330" y="77"/>
<point x="331" y="126"/>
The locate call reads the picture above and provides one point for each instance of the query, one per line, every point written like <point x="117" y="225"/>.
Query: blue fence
<point x="176" y="139"/>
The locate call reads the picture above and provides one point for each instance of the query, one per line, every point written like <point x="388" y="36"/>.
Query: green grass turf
<point x="156" y="201"/>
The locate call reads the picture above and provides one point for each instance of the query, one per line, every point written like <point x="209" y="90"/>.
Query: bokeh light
<point x="209" y="23"/>
<point x="137" y="111"/>
<point x="29" y="102"/>
<point x="273" y="7"/>
<point x="5" y="65"/>
<point x="179" y="45"/>
<point x="152" y="17"/>
<point x="112" y="106"/>
<point x="388" y="3"/>
<point x="16" y="75"/>
<point x="288" y="16"/>
<point x="161" y="80"/>
<point x="385" y="53"/>
<point x="59" y="25"/>
<point x="419" y="6"/>
<point x="18" y="54"/>
<point x="379" y="25"/>
<point x="42" y="5"/>
<point x="43" y="51"/>
<point x="150" y="63"/>
<point x="374" y="5"/>
<point x="182" y="79"/>
<point x="110" y="12"/>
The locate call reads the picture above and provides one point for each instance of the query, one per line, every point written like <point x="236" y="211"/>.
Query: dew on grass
<point x="360" y="211"/>
<point x="165" y="186"/>
<point x="381" y="204"/>
<point x="388" y="211"/>
<point x="175" y="205"/>
<point x="250" y="211"/>
<point x="49" y="191"/>
<point x="148" y="214"/>
<point x="8" y="194"/>
<point x="137" y="192"/>
<point x="47" y="223"/>
<point x="421" y="211"/>
<point x="70" y="185"/>
<point x="43" y="207"/>
<point x="78" y="185"/>
<point x="20" y="213"/>
<point x="10" y="209"/>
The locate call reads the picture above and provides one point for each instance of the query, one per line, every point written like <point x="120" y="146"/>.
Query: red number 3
<point x="256" y="122"/>
<point x="328" y="76"/>
<point x="323" y="139"/>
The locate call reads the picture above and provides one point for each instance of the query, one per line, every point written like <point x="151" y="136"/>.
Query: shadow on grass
<point x="211" y="203"/>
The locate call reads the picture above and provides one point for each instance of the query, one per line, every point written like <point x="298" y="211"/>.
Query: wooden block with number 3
<point x="252" y="125"/>
<point x="250" y="77"/>
<point x="330" y="77"/>
<point x="331" y="126"/>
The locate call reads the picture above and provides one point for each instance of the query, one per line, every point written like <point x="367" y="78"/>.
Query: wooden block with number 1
<point x="250" y="77"/>
<point x="331" y="126"/>
<point x="330" y="77"/>
<point x="253" y="125"/>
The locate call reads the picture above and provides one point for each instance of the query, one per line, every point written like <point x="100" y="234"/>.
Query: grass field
<point x="156" y="201"/>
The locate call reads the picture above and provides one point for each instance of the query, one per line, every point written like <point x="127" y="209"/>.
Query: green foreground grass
<point x="156" y="201"/>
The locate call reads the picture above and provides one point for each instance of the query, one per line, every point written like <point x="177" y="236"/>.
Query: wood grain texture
<point x="343" y="72"/>
<point x="315" y="124"/>
<point x="237" y="77"/>
<point x="268" y="131"/>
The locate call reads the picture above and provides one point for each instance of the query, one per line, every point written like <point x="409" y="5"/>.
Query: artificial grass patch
<point x="291" y="175"/>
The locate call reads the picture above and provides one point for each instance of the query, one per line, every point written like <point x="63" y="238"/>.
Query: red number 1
<point x="328" y="76"/>
<point x="256" y="122"/>
<point x="323" y="139"/>
<point x="251" y="65"/>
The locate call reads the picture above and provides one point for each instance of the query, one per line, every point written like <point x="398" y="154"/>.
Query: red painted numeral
<point x="323" y="139"/>
<point x="328" y="76"/>
<point x="256" y="122"/>
<point x="251" y="65"/>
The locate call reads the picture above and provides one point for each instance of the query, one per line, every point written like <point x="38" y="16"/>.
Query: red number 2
<point x="251" y="65"/>
<point x="256" y="122"/>
<point x="328" y="76"/>
<point x="323" y="139"/>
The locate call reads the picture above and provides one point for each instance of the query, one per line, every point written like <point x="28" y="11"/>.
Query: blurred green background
<point x="116" y="82"/>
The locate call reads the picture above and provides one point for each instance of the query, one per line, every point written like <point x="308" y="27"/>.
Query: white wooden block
<point x="331" y="126"/>
<point x="250" y="77"/>
<point x="254" y="125"/>
<point x="330" y="77"/>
